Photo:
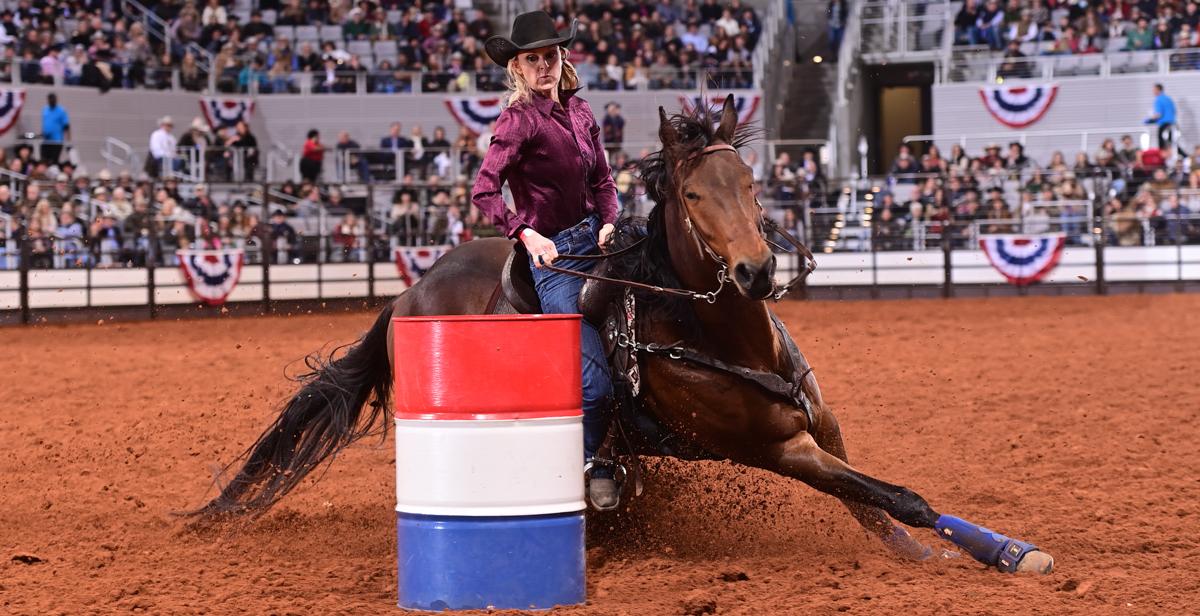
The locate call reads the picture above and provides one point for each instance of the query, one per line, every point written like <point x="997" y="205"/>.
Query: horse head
<point x="710" y="192"/>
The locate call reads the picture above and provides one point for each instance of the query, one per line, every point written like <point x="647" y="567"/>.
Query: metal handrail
<point x="892" y="19"/>
<point x="155" y="26"/>
<point x="772" y="23"/>
<point x="118" y="153"/>
<point x="841" y="126"/>
<point x="279" y="156"/>
<point x="195" y="167"/>
<point x="1023" y="136"/>
<point x="1055" y="66"/>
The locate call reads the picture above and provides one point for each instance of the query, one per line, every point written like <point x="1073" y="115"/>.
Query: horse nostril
<point x="744" y="274"/>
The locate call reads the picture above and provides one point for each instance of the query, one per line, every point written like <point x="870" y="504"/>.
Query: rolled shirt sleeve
<point x="502" y="155"/>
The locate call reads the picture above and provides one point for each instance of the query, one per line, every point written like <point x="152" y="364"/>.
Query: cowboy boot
<point x="604" y="479"/>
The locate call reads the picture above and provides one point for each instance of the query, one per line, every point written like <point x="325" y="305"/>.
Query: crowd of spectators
<point x="1078" y="27"/>
<point x="382" y="46"/>
<point x="75" y="219"/>
<point x="1144" y="195"/>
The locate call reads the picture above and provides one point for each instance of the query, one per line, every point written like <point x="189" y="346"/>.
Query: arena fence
<point x="323" y="259"/>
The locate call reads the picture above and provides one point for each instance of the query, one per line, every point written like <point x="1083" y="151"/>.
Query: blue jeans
<point x="987" y="34"/>
<point x="559" y="294"/>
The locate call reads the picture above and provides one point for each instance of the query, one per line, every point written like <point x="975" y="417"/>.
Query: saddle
<point x="634" y="431"/>
<point x="516" y="283"/>
<point x="516" y="287"/>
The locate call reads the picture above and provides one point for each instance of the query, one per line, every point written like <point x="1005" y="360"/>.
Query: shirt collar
<point x="545" y="104"/>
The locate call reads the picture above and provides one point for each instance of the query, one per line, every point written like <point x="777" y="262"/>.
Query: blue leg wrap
<point x="988" y="547"/>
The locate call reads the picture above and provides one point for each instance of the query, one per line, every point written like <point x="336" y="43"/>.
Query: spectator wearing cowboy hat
<point x="162" y="147"/>
<point x="991" y="155"/>
<point x="197" y="138"/>
<point x="564" y="195"/>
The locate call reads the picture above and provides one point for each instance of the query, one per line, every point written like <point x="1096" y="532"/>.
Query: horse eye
<point x="692" y="196"/>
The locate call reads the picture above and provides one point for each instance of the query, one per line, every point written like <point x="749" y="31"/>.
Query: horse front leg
<point x="828" y="436"/>
<point x="802" y="458"/>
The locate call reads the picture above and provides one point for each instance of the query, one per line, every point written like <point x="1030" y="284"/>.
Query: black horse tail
<point x="324" y="417"/>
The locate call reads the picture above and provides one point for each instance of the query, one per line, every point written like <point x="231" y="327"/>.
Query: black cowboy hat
<point x="529" y="31"/>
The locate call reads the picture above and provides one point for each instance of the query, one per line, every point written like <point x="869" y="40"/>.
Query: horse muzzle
<point x="755" y="280"/>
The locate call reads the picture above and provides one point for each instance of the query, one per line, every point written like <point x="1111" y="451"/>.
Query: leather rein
<point x="777" y="292"/>
<point x="789" y="389"/>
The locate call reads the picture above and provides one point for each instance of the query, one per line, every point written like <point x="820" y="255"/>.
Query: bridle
<point x="625" y="333"/>
<point x="777" y="292"/>
<point x="705" y="248"/>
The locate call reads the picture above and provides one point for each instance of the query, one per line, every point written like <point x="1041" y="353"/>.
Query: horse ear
<point x="666" y="132"/>
<point x="729" y="120"/>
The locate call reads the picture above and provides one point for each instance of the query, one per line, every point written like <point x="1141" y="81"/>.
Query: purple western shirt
<point x="554" y="164"/>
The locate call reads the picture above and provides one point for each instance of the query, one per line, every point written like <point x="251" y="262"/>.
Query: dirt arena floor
<point x="1072" y="423"/>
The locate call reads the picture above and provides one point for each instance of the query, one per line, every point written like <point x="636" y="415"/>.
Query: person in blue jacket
<point x="56" y="129"/>
<point x="1163" y="116"/>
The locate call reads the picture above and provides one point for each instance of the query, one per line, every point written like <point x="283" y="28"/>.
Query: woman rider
<point x="547" y="147"/>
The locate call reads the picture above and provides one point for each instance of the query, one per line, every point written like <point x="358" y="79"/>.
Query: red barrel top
<point x="487" y="367"/>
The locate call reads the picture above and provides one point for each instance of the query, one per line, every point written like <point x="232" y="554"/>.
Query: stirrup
<point x="618" y="474"/>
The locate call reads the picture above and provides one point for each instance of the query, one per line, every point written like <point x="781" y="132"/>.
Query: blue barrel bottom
<point x="461" y="563"/>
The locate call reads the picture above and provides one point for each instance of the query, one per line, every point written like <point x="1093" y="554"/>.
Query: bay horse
<point x="705" y="230"/>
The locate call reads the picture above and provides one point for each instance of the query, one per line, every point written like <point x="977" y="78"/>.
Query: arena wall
<point x="337" y="281"/>
<point x="284" y="119"/>
<point x="1082" y="104"/>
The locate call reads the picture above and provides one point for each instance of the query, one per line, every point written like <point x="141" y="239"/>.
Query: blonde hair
<point x="519" y="91"/>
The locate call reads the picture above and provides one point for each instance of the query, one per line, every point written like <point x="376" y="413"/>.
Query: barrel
<point x="489" y="462"/>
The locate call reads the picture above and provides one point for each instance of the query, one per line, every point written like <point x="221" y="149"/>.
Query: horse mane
<point x="696" y="131"/>
<point x="651" y="262"/>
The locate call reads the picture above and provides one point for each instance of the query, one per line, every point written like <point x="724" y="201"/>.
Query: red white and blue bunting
<point x="1018" y="106"/>
<point x="413" y="261"/>
<point x="474" y="113"/>
<point x="12" y="101"/>
<point x="746" y="106"/>
<point x="211" y="274"/>
<point x="1023" y="259"/>
<point x="226" y="111"/>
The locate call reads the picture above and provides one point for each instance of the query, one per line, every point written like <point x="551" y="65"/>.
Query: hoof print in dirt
<point x="734" y="576"/>
<point x="699" y="603"/>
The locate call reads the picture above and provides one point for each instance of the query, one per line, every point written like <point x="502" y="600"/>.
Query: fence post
<point x="1178" y="247"/>
<point x="947" y="277"/>
<point x="151" y="266"/>
<point x="268" y="251"/>
<point x="1099" y="239"/>
<point x="370" y="244"/>
<point x="874" y="256"/>
<point x="25" y="252"/>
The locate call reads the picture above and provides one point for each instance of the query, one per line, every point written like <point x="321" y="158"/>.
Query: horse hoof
<point x="1036" y="562"/>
